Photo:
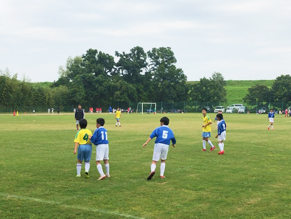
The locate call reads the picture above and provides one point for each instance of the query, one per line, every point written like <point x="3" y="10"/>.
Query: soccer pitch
<point x="252" y="180"/>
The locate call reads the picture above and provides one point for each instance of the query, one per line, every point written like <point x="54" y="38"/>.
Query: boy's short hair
<point x="204" y="109"/>
<point x="271" y="109"/>
<point x="83" y="123"/>
<point x="219" y="116"/>
<point x="165" y="120"/>
<point x="100" y="121"/>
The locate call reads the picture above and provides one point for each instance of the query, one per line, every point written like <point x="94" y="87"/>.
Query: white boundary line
<point x="68" y="206"/>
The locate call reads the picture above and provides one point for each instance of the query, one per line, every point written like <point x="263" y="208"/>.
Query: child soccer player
<point x="100" y="139"/>
<point x="271" y="117"/>
<point x="84" y="146"/>
<point x="117" y="117"/>
<point x="221" y="133"/>
<point x="163" y="136"/>
<point x="206" y="130"/>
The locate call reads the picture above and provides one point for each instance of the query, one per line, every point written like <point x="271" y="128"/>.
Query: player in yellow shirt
<point x="206" y="130"/>
<point x="117" y="117"/>
<point x="84" y="146"/>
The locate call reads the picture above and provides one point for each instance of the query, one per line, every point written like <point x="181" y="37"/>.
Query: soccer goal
<point x="146" y="107"/>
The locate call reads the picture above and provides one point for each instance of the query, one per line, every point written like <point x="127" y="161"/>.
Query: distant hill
<point x="236" y="90"/>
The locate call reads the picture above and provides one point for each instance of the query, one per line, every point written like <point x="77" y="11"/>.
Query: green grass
<point x="237" y="90"/>
<point x="38" y="169"/>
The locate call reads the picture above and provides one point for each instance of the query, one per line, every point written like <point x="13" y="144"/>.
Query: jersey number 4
<point x="86" y="137"/>
<point x="165" y="134"/>
<point x="102" y="135"/>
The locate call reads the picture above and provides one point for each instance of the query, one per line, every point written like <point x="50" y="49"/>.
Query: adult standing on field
<point x="79" y="114"/>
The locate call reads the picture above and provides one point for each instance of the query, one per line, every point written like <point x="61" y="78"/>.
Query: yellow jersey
<point x="82" y="136"/>
<point x="117" y="114"/>
<point x="206" y="120"/>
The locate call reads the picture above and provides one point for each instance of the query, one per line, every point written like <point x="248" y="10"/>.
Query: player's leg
<point x="116" y="122"/>
<point x="119" y="123"/>
<point x="80" y="158"/>
<point x="99" y="158"/>
<point x="164" y="154"/>
<point x="88" y="154"/>
<point x="209" y="142"/>
<point x="272" y="125"/>
<point x="156" y="158"/>
<point x="106" y="160"/>
<point x="203" y="142"/>
<point x="77" y="124"/>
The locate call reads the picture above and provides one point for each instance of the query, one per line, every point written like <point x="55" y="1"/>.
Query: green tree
<point x="281" y="89"/>
<point x="258" y="94"/>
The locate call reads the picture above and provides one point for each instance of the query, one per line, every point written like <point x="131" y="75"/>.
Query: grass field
<point x="237" y="90"/>
<point x="252" y="179"/>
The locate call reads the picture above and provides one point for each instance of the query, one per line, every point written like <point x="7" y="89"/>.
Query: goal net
<point x="146" y="107"/>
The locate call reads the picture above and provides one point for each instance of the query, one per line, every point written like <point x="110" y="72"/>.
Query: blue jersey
<point x="100" y="136"/>
<point x="164" y="135"/>
<point x="271" y="115"/>
<point x="221" y="127"/>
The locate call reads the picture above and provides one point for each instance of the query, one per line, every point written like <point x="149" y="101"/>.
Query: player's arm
<point x="76" y="147"/>
<point x="145" y="144"/>
<point x="209" y="123"/>
<point x="93" y="137"/>
<point x="174" y="141"/>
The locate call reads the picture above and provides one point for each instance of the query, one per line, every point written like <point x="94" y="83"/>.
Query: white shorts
<point x="77" y="122"/>
<point x="222" y="136"/>
<point x="271" y="119"/>
<point x="102" y="152"/>
<point x="160" y="152"/>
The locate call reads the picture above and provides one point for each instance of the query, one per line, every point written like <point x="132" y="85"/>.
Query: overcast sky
<point x="244" y="40"/>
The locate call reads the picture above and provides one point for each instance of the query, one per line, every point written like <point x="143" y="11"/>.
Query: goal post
<point x="152" y="107"/>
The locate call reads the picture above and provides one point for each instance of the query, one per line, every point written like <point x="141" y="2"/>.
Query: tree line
<point x="99" y="79"/>
<point x="280" y="91"/>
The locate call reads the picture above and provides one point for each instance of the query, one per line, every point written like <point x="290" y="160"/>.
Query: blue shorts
<point x="206" y="134"/>
<point x="84" y="152"/>
<point x="118" y="119"/>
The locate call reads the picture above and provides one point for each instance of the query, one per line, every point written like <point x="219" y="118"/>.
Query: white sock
<point x="107" y="168"/>
<point x="153" y="167"/>
<point x="119" y="124"/>
<point x="99" y="168"/>
<point x="269" y="125"/>
<point x="79" y="166"/>
<point x="204" y="144"/>
<point x="116" y="123"/>
<point x="162" y="169"/>
<point x="87" y="166"/>
<point x="272" y="127"/>
<point x="210" y="143"/>
<point x="220" y="146"/>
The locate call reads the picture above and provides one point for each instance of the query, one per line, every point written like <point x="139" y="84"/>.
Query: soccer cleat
<point x="102" y="177"/>
<point x="87" y="175"/>
<point x="212" y="148"/>
<point x="204" y="150"/>
<point x="162" y="177"/>
<point x="108" y="175"/>
<point x="221" y="152"/>
<point x="268" y="128"/>
<point x="151" y="175"/>
<point x="78" y="176"/>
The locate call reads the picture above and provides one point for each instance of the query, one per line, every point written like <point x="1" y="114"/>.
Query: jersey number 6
<point x="165" y="134"/>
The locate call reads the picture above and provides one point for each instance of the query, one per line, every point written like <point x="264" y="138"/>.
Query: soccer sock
<point x="116" y="123"/>
<point x="272" y="127"/>
<point x="87" y="166"/>
<point x="79" y="166"/>
<point x="220" y="146"/>
<point x="99" y="168"/>
<point x="210" y="143"/>
<point x="204" y="144"/>
<point x="162" y="169"/>
<point x="107" y="168"/>
<point x="119" y="124"/>
<point x="153" y="167"/>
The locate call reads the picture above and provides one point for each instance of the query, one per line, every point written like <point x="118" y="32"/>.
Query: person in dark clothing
<point x="79" y="114"/>
<point x="58" y="110"/>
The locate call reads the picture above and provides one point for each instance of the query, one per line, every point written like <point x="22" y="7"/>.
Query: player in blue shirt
<point x="221" y="133"/>
<point x="271" y="117"/>
<point x="99" y="138"/>
<point x="164" y="135"/>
